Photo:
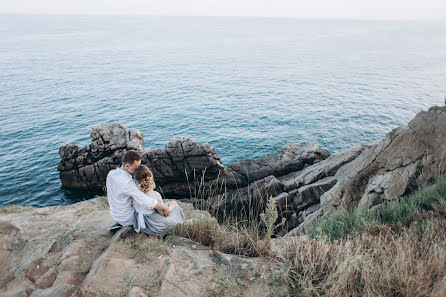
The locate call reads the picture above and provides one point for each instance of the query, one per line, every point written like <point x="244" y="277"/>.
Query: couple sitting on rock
<point x="134" y="202"/>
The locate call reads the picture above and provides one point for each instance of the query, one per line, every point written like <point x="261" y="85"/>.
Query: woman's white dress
<point x="151" y="221"/>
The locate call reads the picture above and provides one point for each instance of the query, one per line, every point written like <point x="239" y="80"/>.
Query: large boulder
<point x="87" y="167"/>
<point x="181" y="165"/>
<point x="176" y="167"/>
<point x="407" y="158"/>
<point x="291" y="158"/>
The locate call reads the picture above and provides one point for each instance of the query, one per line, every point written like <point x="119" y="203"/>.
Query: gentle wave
<point x="246" y="86"/>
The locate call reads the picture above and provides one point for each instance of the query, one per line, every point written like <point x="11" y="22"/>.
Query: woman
<point x="150" y="221"/>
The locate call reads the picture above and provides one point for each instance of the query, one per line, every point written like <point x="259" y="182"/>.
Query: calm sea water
<point x="247" y="86"/>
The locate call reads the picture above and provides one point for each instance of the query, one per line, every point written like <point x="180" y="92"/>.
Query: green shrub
<point x="404" y="211"/>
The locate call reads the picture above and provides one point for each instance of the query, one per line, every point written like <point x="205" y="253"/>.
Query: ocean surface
<point x="246" y="86"/>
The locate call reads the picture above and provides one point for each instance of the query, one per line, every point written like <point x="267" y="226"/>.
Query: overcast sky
<point x="351" y="9"/>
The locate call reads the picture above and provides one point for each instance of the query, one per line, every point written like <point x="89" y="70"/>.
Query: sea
<point x="246" y="86"/>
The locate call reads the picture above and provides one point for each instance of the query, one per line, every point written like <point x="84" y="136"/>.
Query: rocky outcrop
<point x="180" y="164"/>
<point x="408" y="157"/>
<point x="405" y="159"/>
<point x="181" y="169"/>
<point x="305" y="181"/>
<point x="87" y="167"/>
<point x="291" y="158"/>
<point x="67" y="251"/>
<point x="297" y="193"/>
<point x="175" y="167"/>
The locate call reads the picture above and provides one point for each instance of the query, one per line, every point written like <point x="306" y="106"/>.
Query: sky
<point x="342" y="9"/>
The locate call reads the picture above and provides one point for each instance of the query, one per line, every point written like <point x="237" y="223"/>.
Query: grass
<point x="85" y="266"/>
<point x="104" y="201"/>
<point x="227" y="284"/>
<point x="388" y="264"/>
<point x="242" y="237"/>
<point x="402" y="212"/>
<point x="52" y="259"/>
<point x="397" y="249"/>
<point x="245" y="231"/>
<point x="150" y="248"/>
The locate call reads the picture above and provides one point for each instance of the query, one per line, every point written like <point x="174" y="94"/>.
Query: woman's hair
<point x="144" y="179"/>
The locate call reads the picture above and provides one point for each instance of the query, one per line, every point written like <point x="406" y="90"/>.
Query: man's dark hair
<point x="130" y="157"/>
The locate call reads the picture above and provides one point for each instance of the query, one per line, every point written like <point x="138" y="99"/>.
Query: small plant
<point x="150" y="245"/>
<point x="104" y="201"/>
<point x="269" y="218"/>
<point x="52" y="259"/>
<point x="85" y="266"/>
<point x="227" y="284"/>
<point x="128" y="279"/>
<point x="402" y="212"/>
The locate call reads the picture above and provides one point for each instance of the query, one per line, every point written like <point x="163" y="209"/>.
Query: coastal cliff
<point x="68" y="250"/>
<point x="306" y="181"/>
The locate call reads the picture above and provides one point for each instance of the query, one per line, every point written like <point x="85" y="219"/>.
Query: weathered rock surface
<point x="68" y="251"/>
<point x="291" y="158"/>
<point x="178" y="164"/>
<point x="297" y="193"/>
<point x="408" y="157"/>
<point x="87" y="167"/>
<point x="405" y="159"/>
<point x="181" y="168"/>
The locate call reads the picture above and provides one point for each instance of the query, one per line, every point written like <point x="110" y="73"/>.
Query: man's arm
<point x="164" y="209"/>
<point x="146" y="201"/>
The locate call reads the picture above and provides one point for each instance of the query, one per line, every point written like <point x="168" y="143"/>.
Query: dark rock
<point x="87" y="167"/>
<point x="64" y="290"/>
<point x="290" y="159"/>
<point x="181" y="165"/>
<point x="320" y="170"/>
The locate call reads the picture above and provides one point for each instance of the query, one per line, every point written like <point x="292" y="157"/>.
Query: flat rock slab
<point x="68" y="251"/>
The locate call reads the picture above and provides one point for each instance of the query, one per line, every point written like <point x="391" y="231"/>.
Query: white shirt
<point x="122" y="193"/>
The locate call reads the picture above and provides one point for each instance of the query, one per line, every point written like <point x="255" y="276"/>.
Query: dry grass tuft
<point x="387" y="264"/>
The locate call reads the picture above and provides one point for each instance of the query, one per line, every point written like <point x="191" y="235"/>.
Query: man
<point x="122" y="191"/>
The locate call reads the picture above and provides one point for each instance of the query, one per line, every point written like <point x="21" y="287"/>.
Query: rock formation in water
<point x="173" y="166"/>
<point x="179" y="168"/>
<point x="87" y="167"/>
<point x="305" y="181"/>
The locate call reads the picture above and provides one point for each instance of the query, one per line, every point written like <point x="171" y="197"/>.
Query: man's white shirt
<point x="122" y="193"/>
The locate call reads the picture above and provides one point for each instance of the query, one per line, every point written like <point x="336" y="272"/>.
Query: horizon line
<point x="231" y="16"/>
